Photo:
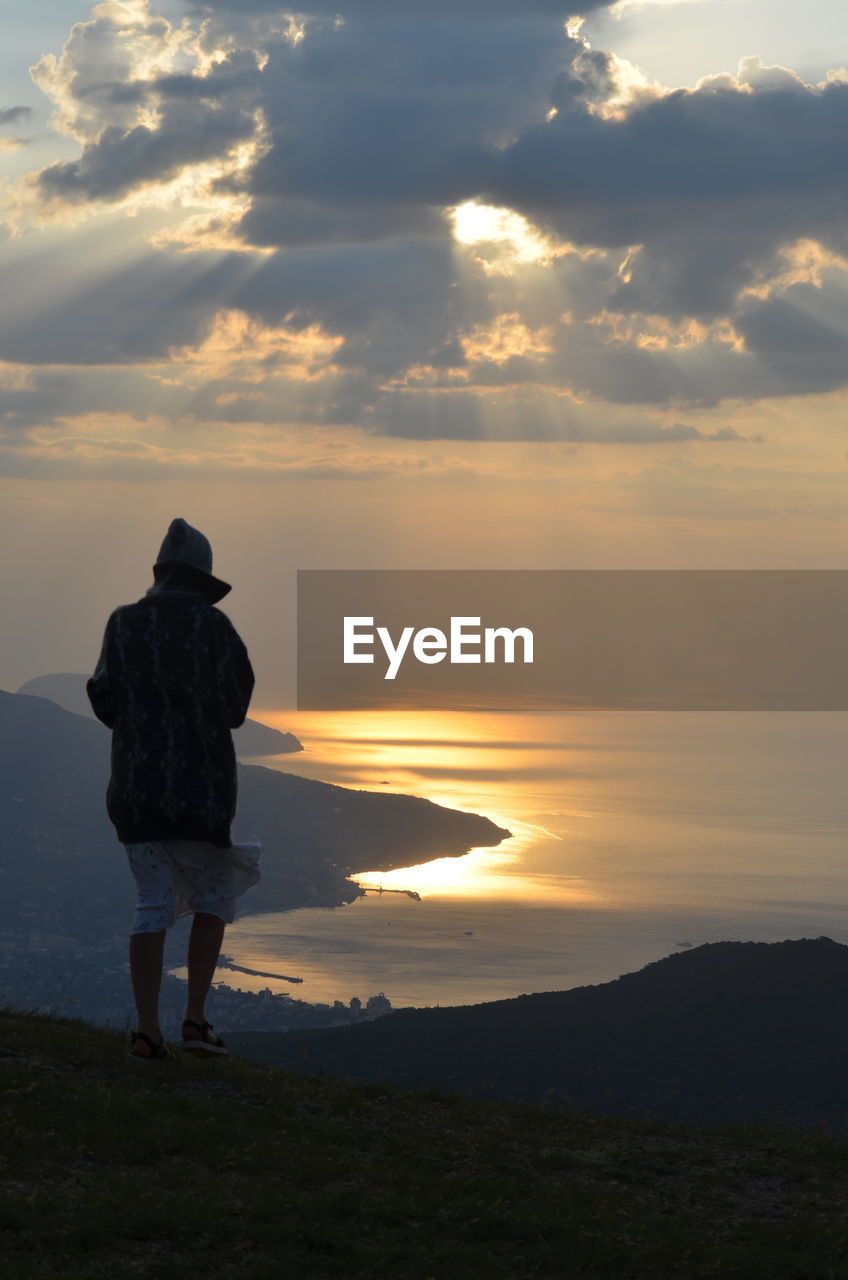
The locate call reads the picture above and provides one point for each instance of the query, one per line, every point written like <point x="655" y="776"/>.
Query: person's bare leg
<point x="204" y="947"/>
<point x="146" y="950"/>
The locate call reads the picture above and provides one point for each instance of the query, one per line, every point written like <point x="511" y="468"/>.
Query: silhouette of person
<point x="172" y="680"/>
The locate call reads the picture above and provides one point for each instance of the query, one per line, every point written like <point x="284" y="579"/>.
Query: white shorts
<point x="179" y="877"/>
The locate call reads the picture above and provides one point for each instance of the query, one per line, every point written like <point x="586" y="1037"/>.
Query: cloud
<point x="432" y="220"/>
<point x="376" y="130"/>
<point x="486" y="11"/>
<point x="238" y="347"/>
<point x="8" y="116"/>
<point x="134" y="311"/>
<point x="112" y="447"/>
<point x="542" y="416"/>
<point x="707" y="182"/>
<point x="147" y="108"/>
<point x="120" y="162"/>
<point x="11" y="115"/>
<point x="802" y="350"/>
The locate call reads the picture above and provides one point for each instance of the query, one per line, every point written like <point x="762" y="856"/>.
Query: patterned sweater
<point x="172" y="680"/>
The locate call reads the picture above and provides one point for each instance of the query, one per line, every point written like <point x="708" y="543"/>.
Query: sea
<point x="634" y="834"/>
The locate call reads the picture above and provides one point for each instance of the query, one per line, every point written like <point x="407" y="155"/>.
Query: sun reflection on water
<point x="465" y="761"/>
<point x="633" y="834"/>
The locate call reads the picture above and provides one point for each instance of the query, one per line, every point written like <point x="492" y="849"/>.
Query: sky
<point x="402" y="284"/>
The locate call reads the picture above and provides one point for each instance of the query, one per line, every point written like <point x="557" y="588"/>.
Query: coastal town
<point x="49" y="972"/>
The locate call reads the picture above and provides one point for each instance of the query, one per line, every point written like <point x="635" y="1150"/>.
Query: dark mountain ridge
<point x="725" y="1032"/>
<point x="67" y="690"/>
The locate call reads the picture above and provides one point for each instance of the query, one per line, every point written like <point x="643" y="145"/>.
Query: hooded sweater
<point x="173" y="678"/>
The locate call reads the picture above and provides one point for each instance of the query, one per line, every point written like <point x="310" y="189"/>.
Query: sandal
<point x="158" y="1052"/>
<point x="202" y="1044"/>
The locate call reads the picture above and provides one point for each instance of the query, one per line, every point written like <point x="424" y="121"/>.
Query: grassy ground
<point x="234" y="1169"/>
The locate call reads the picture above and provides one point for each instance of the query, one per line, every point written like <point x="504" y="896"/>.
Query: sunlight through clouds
<point x="802" y="262"/>
<point x="475" y="223"/>
<point x="628" y="86"/>
<point x="504" y="338"/>
<point x="143" y="97"/>
<point x="121" y="43"/>
<point x="659" y="333"/>
<point x="240" y="347"/>
<point x="420" y="225"/>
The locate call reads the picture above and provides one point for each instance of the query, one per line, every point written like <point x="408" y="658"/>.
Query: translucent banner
<point x="656" y="639"/>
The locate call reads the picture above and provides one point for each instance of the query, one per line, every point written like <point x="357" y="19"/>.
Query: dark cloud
<point x="237" y="74"/>
<point x="414" y="10"/>
<point x="142" y="107"/>
<point x="708" y="181"/>
<point x="11" y="115"/>
<point x="801" y="351"/>
<point x="782" y="329"/>
<point x="53" y="394"/>
<point x="134" y="314"/>
<point x="392" y="301"/>
<point x="374" y="130"/>
<point x="374" y="134"/>
<point x="371" y="129"/>
<point x="121" y="161"/>
<point x="456" y="415"/>
<point x="680" y="431"/>
<point x="199" y="119"/>
<point x="298" y="222"/>
<point x="730" y="433"/>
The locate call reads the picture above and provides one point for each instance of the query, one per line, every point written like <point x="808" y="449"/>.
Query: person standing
<point x="172" y="680"/>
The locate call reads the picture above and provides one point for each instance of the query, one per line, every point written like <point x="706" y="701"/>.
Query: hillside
<point x="729" y="1031"/>
<point x="229" y="1169"/>
<point x="55" y="838"/>
<point x="67" y="689"/>
<point x="65" y="891"/>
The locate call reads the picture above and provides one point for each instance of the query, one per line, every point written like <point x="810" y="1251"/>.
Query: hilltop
<point x="231" y="1169"/>
<point x="729" y="1031"/>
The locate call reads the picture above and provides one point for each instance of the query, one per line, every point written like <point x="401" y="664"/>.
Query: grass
<point x="236" y="1169"/>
